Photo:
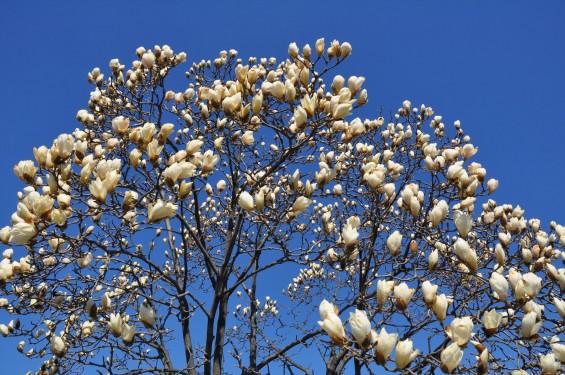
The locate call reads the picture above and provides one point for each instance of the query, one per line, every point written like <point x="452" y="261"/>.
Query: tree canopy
<point x="156" y="237"/>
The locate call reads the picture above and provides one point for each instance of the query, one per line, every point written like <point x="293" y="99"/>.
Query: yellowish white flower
<point x="549" y="365"/>
<point x="21" y="233"/>
<point x="331" y="323"/>
<point x="360" y="327"/>
<point x="160" y="210"/>
<point x="405" y="353"/>
<point x="128" y="334"/>
<point x="403" y="294"/>
<point x="57" y="346"/>
<point x="461" y="330"/>
<point x="146" y="315"/>
<point x="115" y="324"/>
<point x="246" y="201"/>
<point x="530" y="325"/>
<point x="450" y="358"/>
<point x="384" y="288"/>
<point x="429" y="291"/>
<point x="491" y="321"/>
<point x="499" y="285"/>
<point x="394" y="243"/>
<point x="385" y="345"/>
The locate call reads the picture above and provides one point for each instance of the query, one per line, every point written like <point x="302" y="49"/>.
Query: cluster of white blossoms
<point x="165" y="202"/>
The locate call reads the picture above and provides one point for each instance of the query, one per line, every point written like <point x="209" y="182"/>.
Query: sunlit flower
<point x="209" y="161"/>
<point x="461" y="330"/>
<point x="146" y="315"/>
<point x="433" y="260"/>
<point x="499" y="285"/>
<point x="385" y="345"/>
<point x="128" y="334"/>
<point x="115" y="324"/>
<point x="549" y="365"/>
<point x="349" y="235"/>
<point x="148" y="60"/>
<point x="394" y="243"/>
<point x="530" y="325"/>
<point x="106" y="302"/>
<point x="558" y="349"/>
<point x="25" y="170"/>
<point x="560" y="307"/>
<point x="301" y="204"/>
<point x="405" y="353"/>
<point x="429" y="291"/>
<point x="57" y="346"/>
<point x="440" y="307"/>
<point x="360" y="327"/>
<point x="194" y="146"/>
<point x="246" y="201"/>
<point x="450" y="358"/>
<point x="293" y="50"/>
<point x="492" y="185"/>
<point x="491" y="321"/>
<point x="463" y="222"/>
<point x="21" y="233"/>
<point x="384" y="288"/>
<point x="532" y="284"/>
<point x="403" y="295"/>
<point x="247" y="138"/>
<point x="87" y="328"/>
<point x="160" y="210"/>
<point x="331" y="323"/>
<point x="99" y="189"/>
<point x="300" y="116"/>
<point x="341" y="110"/>
<point x="466" y="254"/>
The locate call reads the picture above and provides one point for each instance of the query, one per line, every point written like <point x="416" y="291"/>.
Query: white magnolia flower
<point x="331" y="323"/>
<point x="491" y="321"/>
<point x="360" y="327"/>
<point x="21" y="233"/>
<point x="384" y="288"/>
<point x="461" y="330"/>
<point x="146" y="315"/>
<point x="532" y="284"/>
<point x="403" y="295"/>
<point x="530" y="325"/>
<point x="463" y="222"/>
<point x="57" y="346"/>
<point x="160" y="210"/>
<point x="558" y="349"/>
<point x="301" y="204"/>
<point x="450" y="358"/>
<point x="349" y="235"/>
<point x="549" y="365"/>
<point x="128" y="334"/>
<point x="429" y="291"/>
<point x="394" y="243"/>
<point x="560" y="306"/>
<point x="115" y="324"/>
<point x="440" y="307"/>
<point x="405" y="353"/>
<point x="499" y="285"/>
<point x="120" y="125"/>
<point x="467" y="255"/>
<point x="385" y="345"/>
<point x="246" y="201"/>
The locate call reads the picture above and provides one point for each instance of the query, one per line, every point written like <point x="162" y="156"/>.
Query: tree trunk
<point x="220" y="335"/>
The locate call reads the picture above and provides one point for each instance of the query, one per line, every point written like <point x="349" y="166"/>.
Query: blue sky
<point x="498" y="67"/>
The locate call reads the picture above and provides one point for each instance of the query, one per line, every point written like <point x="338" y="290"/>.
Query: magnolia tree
<point x="156" y="237"/>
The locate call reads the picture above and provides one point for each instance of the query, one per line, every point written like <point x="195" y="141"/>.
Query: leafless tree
<point x="155" y="237"/>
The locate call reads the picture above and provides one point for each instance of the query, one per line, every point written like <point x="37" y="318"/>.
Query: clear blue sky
<point x="498" y="67"/>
